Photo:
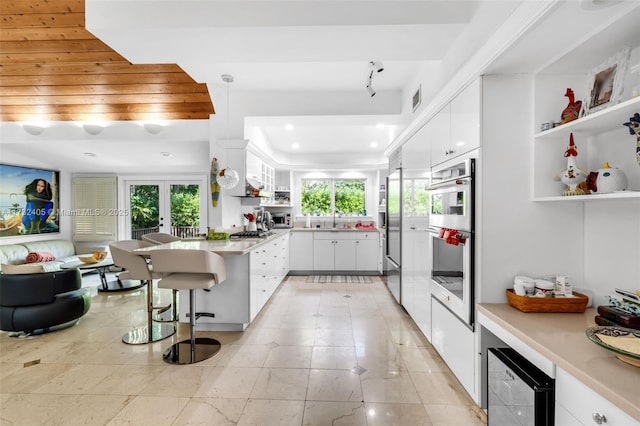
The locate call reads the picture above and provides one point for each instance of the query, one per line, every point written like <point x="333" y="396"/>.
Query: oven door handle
<point x="451" y="183"/>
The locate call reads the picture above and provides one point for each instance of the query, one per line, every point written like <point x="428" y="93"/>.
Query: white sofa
<point x="13" y="256"/>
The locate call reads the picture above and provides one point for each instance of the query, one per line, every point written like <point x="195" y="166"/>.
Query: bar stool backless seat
<point x="190" y="270"/>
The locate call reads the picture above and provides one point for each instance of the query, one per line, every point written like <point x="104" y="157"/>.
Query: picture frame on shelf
<point x="605" y="83"/>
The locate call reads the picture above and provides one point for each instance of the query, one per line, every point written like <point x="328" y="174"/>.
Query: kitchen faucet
<point x="335" y="225"/>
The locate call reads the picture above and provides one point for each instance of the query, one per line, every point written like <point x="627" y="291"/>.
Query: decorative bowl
<point x="625" y="342"/>
<point x="96" y="257"/>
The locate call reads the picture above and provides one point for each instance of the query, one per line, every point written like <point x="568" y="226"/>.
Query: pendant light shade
<point x="228" y="178"/>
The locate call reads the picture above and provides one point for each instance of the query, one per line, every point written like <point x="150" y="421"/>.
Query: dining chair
<point x="190" y="270"/>
<point x="137" y="268"/>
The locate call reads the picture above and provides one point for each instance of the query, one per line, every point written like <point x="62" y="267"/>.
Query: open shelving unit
<point x="600" y="137"/>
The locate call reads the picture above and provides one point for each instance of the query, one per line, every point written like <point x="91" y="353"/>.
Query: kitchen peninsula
<point x="255" y="269"/>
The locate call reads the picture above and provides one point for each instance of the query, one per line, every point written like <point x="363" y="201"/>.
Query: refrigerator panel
<point x="394" y="231"/>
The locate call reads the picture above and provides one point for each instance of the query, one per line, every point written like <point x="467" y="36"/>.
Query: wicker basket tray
<point x="548" y="304"/>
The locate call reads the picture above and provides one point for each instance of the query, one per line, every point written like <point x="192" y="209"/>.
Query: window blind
<point x="94" y="208"/>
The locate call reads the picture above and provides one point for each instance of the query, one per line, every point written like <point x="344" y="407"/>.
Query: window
<point x="94" y="206"/>
<point x="324" y="196"/>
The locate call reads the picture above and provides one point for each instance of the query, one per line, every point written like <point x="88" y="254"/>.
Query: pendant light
<point x="227" y="178"/>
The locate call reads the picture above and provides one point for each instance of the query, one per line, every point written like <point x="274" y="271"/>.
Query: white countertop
<point x="222" y="247"/>
<point x="561" y="338"/>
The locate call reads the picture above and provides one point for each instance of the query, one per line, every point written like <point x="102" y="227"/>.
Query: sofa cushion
<point x="32" y="268"/>
<point x="13" y="254"/>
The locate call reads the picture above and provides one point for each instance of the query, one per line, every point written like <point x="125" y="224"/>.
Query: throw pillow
<point x="39" y="256"/>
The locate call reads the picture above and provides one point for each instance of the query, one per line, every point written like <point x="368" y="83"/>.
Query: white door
<point x="176" y="207"/>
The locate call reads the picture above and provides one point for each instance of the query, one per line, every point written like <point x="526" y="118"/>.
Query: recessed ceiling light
<point x="93" y="129"/>
<point x="288" y="127"/>
<point x="166" y="154"/>
<point x="373" y="144"/>
<point x="153" y="128"/>
<point x="380" y="126"/>
<point x="33" y="129"/>
<point x="90" y="154"/>
<point x="295" y="145"/>
<point x="459" y="143"/>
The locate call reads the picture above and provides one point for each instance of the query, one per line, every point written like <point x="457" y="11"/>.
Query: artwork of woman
<point x="39" y="205"/>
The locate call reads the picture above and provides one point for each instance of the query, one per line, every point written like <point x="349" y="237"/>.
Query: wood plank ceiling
<point x="53" y="69"/>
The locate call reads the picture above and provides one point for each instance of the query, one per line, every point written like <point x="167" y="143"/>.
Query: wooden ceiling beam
<point x="52" y="68"/>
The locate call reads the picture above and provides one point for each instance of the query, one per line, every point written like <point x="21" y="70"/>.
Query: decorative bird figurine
<point x="634" y="129"/>
<point x="572" y="111"/>
<point x="572" y="176"/>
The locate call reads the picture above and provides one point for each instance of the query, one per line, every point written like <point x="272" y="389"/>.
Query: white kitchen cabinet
<point x="301" y="251"/>
<point x="345" y="251"/>
<point x="576" y="404"/>
<point x="258" y="281"/>
<point x="248" y="165"/>
<point x="465" y="113"/>
<point x="331" y="252"/>
<point x="455" y="129"/>
<point x="456" y="345"/>
<point x="269" y="265"/>
<point x="440" y="127"/>
<point x="367" y="252"/>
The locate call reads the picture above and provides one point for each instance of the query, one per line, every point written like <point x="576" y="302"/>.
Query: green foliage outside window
<point x="145" y="202"/>
<point x="317" y="195"/>
<point x="144" y="206"/>
<point x="185" y="205"/>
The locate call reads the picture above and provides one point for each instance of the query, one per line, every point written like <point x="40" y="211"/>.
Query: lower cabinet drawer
<point x="577" y="404"/>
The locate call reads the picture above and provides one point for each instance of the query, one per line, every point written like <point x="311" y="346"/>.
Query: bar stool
<point x="158" y="238"/>
<point x="190" y="270"/>
<point x="137" y="268"/>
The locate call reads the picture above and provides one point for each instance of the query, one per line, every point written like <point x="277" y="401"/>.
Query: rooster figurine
<point x="572" y="176"/>
<point x="572" y="111"/>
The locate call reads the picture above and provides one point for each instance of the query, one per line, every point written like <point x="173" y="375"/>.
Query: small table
<point x="101" y="267"/>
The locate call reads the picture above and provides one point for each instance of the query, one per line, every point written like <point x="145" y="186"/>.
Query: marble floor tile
<point x="334" y="385"/>
<point x="317" y="354"/>
<point x="211" y="411"/>
<point x="320" y="413"/>
<point x="403" y="414"/>
<point x="281" y="383"/>
<point x="260" y="412"/>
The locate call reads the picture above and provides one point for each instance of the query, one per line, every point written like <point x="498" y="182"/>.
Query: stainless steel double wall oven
<point x="451" y="228"/>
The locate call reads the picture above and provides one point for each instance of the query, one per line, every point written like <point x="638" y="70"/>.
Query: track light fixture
<point x="370" y="90"/>
<point x="375" y="67"/>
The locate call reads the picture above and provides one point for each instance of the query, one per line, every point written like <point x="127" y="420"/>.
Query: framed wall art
<point x="28" y="201"/>
<point x="605" y="83"/>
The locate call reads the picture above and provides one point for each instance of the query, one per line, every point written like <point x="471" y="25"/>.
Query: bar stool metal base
<point x="181" y="353"/>
<point x="145" y="335"/>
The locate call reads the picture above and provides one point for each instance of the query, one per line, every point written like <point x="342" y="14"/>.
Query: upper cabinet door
<point x="441" y="135"/>
<point x="465" y="119"/>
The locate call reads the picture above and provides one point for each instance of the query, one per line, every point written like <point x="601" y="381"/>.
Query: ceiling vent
<point x="417" y="98"/>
